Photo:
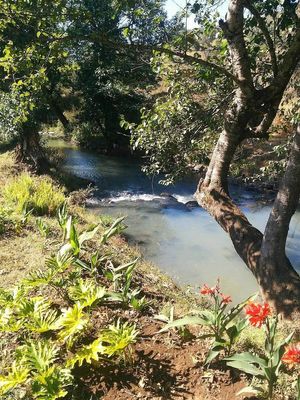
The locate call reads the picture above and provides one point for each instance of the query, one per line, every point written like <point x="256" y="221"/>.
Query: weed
<point x="28" y="192"/>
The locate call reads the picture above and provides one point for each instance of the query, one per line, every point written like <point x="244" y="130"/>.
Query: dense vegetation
<point x="119" y="76"/>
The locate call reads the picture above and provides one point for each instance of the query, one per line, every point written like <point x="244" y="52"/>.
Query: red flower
<point x="210" y="291"/>
<point x="207" y="290"/>
<point x="257" y="313"/>
<point x="292" y="354"/>
<point x="226" y="299"/>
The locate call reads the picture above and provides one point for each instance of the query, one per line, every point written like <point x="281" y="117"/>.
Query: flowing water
<point x="184" y="242"/>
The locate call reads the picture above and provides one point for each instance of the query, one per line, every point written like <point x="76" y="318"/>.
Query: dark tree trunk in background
<point x="30" y="151"/>
<point x="59" y="113"/>
<point x="250" y="116"/>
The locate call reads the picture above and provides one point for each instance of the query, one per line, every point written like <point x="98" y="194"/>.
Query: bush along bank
<point x="93" y="320"/>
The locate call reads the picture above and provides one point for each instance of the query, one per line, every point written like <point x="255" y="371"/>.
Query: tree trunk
<point x="274" y="265"/>
<point x="59" y="113"/>
<point x="251" y="115"/>
<point x="30" y="151"/>
<point x="279" y="282"/>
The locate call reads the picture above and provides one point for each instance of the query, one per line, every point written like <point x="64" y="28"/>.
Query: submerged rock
<point x="192" y="204"/>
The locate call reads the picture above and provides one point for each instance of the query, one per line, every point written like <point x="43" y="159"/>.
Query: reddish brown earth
<point x="164" y="367"/>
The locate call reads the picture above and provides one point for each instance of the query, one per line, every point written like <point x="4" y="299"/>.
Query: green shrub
<point x="55" y="339"/>
<point x="38" y="194"/>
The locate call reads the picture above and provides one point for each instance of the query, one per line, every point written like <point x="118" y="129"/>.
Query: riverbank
<point x="160" y="365"/>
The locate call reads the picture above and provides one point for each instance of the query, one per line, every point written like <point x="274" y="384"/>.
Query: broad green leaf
<point x="88" y="235"/>
<point x="256" y="390"/>
<point x="247" y="358"/>
<point x="245" y="367"/>
<point x="188" y="320"/>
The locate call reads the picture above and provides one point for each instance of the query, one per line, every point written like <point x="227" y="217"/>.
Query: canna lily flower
<point x="206" y="290"/>
<point x="257" y="313"/>
<point x="226" y="299"/>
<point x="292" y="355"/>
<point x="210" y="291"/>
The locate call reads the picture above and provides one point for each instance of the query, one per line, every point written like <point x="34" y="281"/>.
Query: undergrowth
<point x="38" y="194"/>
<point x="49" y="316"/>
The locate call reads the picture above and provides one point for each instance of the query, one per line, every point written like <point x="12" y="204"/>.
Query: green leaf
<point x="16" y="376"/>
<point x="212" y="354"/>
<point x="88" y="235"/>
<point x="72" y="321"/>
<point x="188" y="320"/>
<point x="247" y="358"/>
<point x="245" y="367"/>
<point x="256" y="390"/>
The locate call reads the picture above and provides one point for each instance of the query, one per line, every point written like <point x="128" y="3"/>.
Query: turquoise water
<point x="186" y="243"/>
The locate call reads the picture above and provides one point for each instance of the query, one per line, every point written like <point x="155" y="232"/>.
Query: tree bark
<point x="251" y="115"/>
<point x="30" y="151"/>
<point x="274" y="266"/>
<point x="59" y="113"/>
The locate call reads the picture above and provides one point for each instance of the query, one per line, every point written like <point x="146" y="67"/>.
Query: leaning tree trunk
<point x="30" y="151"/>
<point x="251" y="116"/>
<point x="59" y="113"/>
<point x="274" y="266"/>
<point x="263" y="254"/>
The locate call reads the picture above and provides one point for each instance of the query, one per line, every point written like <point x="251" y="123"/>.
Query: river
<point x="186" y="243"/>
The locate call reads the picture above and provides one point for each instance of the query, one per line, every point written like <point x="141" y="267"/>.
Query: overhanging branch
<point x="263" y="27"/>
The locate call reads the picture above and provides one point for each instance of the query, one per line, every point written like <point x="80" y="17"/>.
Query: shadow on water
<point x="185" y="242"/>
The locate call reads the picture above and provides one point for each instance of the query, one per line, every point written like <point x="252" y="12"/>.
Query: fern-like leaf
<point x="86" y="292"/>
<point x="39" y="355"/>
<point x="43" y="322"/>
<point x="72" y="322"/>
<point x="87" y="353"/>
<point x="51" y="384"/>
<point x="117" y="338"/>
<point x="17" y="376"/>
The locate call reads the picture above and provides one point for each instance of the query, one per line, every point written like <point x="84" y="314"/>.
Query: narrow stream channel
<point x="184" y="242"/>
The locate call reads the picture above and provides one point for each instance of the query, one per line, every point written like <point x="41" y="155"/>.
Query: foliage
<point x="224" y="326"/>
<point x="30" y="193"/>
<point x="267" y="366"/>
<point x="176" y="132"/>
<point x="9" y="129"/>
<point x="44" y="367"/>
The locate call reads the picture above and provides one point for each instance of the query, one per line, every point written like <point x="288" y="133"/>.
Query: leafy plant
<point x="72" y="322"/>
<point x="223" y="325"/>
<point x="39" y="194"/>
<point x="121" y="277"/>
<point x="43" y="227"/>
<point x="113" y="341"/>
<point x="40" y="366"/>
<point x="267" y="366"/>
<point x="87" y="292"/>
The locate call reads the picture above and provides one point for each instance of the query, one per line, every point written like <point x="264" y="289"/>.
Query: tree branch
<point x="103" y="39"/>
<point x="263" y="27"/>
<point x="233" y="31"/>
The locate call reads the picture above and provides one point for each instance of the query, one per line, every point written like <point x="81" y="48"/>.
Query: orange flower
<point x="257" y="313"/>
<point x="226" y="299"/>
<point x="207" y="290"/>
<point x="292" y="354"/>
<point x="210" y="291"/>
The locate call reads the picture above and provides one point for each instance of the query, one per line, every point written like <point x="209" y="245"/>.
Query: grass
<point x="39" y="194"/>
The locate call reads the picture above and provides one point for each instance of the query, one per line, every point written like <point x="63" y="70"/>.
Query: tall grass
<point x="36" y="193"/>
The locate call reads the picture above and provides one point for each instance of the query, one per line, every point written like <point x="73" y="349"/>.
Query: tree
<point x="43" y="43"/>
<point x="31" y="58"/>
<point x="258" y="50"/>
